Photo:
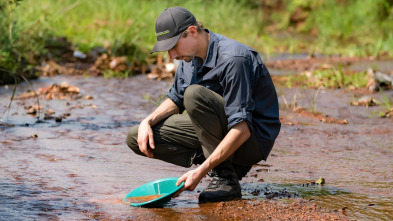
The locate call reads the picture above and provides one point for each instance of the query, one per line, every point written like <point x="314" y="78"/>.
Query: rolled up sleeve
<point x="176" y="92"/>
<point x="237" y="86"/>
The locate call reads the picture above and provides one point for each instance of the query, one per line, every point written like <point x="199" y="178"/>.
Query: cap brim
<point x="165" y="45"/>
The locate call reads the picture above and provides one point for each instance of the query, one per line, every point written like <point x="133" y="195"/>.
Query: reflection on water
<point x="141" y="199"/>
<point x="29" y="201"/>
<point x="358" y="205"/>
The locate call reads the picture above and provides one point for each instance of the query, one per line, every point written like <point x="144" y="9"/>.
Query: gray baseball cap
<point x="169" y="26"/>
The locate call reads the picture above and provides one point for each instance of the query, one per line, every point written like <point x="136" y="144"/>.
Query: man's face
<point x="185" y="49"/>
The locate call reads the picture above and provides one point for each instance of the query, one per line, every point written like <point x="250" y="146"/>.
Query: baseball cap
<point x="169" y="26"/>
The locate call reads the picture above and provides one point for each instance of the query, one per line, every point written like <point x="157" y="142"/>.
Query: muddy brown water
<point x="81" y="168"/>
<point x="141" y="199"/>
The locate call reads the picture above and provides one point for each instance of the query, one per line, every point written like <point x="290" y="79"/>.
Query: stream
<point x="79" y="167"/>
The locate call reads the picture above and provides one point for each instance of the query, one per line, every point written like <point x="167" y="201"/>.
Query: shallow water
<point x="81" y="167"/>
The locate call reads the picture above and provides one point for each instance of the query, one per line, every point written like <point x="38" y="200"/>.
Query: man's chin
<point x="186" y="59"/>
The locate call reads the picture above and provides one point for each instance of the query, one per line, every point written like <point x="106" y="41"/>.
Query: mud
<point x="79" y="167"/>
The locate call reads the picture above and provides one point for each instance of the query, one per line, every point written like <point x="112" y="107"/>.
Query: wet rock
<point x="388" y="114"/>
<point x="49" y="112"/>
<point x="33" y="109"/>
<point x="88" y="97"/>
<point x="79" y="54"/>
<point x="365" y="101"/>
<point x="379" y="80"/>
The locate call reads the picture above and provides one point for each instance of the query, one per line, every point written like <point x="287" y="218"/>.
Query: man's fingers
<point x="148" y="152"/>
<point x="179" y="191"/>
<point x="144" y="149"/>
<point x="181" y="179"/>
<point x="145" y="139"/>
<point x="151" y="141"/>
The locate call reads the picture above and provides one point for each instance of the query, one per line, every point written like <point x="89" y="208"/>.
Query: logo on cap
<point x="162" y="33"/>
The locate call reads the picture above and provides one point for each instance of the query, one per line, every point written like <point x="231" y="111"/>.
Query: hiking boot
<point x="241" y="171"/>
<point x="225" y="185"/>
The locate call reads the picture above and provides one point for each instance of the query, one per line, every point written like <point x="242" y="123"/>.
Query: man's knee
<point x="132" y="137"/>
<point x="192" y="96"/>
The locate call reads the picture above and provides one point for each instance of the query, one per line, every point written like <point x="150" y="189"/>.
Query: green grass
<point x="328" y="78"/>
<point x="387" y="103"/>
<point x="114" y="74"/>
<point x="126" y="27"/>
<point x="352" y="27"/>
<point x="96" y="23"/>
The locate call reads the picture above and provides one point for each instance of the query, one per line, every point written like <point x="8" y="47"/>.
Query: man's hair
<point x="199" y="27"/>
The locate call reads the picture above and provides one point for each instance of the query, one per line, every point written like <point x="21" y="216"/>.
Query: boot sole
<point x="218" y="199"/>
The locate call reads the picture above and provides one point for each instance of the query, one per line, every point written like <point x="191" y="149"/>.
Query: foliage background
<point x="343" y="27"/>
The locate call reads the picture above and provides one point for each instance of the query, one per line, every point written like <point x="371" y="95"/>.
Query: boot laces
<point x="217" y="182"/>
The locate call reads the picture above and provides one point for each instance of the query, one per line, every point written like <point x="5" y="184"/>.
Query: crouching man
<point x="232" y="115"/>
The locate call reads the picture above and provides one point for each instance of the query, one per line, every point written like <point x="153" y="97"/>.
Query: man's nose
<point x="172" y="53"/>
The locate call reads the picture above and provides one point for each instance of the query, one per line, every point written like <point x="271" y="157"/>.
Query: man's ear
<point x="192" y="30"/>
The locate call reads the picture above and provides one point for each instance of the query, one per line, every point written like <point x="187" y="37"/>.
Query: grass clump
<point x="126" y="27"/>
<point x="327" y="78"/>
<point x="123" y="27"/>
<point x="130" y="23"/>
<point x="352" y="28"/>
<point x="20" y="44"/>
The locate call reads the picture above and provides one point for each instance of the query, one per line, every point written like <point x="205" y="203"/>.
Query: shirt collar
<point x="211" y="56"/>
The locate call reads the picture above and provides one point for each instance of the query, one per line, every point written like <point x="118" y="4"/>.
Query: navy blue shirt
<point x="236" y="72"/>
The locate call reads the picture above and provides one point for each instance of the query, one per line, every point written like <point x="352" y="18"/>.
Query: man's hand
<point x="236" y="136"/>
<point x="191" y="180"/>
<point x="145" y="136"/>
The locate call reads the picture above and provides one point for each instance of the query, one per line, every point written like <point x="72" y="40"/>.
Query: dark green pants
<point x="180" y="137"/>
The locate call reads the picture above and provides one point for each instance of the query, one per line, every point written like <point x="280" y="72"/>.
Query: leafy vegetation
<point x="20" y="44"/>
<point x="348" y="27"/>
<point x="126" y="27"/>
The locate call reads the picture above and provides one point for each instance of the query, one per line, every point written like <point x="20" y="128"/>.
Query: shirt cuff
<point x="238" y="117"/>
